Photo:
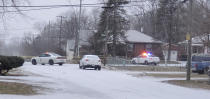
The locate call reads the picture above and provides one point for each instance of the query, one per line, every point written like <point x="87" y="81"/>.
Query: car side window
<point x="44" y="55"/>
<point x="141" y="56"/>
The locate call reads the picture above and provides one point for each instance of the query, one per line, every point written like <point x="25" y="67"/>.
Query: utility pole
<point x="60" y="33"/>
<point x="189" y="44"/>
<point x="77" y="50"/>
<point x="114" y="31"/>
<point x="171" y="12"/>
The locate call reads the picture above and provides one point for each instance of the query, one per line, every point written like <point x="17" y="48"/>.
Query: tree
<point x="50" y="36"/>
<point x="112" y="25"/>
<point x="166" y="26"/>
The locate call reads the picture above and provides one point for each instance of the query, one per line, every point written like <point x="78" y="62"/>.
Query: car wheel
<point x="205" y="71"/>
<point x="146" y="63"/>
<point x="83" y="67"/>
<point x="80" y="67"/>
<point x="34" y="62"/>
<point x="60" y="64"/>
<point x="155" y="64"/>
<point x="201" y="72"/>
<point x="99" y="68"/>
<point x="51" y="62"/>
<point x="133" y="62"/>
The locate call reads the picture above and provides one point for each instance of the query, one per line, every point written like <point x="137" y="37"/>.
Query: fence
<point x="116" y="61"/>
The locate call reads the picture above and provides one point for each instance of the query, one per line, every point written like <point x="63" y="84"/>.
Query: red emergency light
<point x="146" y="54"/>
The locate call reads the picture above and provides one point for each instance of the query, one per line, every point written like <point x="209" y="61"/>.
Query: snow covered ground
<point x="69" y="82"/>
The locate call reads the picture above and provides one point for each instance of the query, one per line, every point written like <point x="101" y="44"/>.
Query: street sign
<point x="188" y="36"/>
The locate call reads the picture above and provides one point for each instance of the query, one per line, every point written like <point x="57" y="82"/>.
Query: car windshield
<point x="93" y="57"/>
<point x="200" y="58"/>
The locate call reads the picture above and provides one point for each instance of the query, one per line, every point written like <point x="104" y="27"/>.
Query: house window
<point x="195" y="50"/>
<point x="149" y="47"/>
<point x="130" y="47"/>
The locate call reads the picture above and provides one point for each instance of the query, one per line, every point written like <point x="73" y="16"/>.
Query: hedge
<point x="9" y="62"/>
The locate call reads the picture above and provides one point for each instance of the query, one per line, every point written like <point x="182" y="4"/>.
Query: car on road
<point x="200" y="64"/>
<point x="146" y="58"/>
<point x="90" y="61"/>
<point x="48" y="58"/>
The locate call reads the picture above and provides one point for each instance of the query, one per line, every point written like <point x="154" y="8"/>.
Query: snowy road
<point x="69" y="82"/>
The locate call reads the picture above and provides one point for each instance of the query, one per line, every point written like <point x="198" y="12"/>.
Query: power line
<point x="69" y="5"/>
<point x="45" y="7"/>
<point x="38" y="9"/>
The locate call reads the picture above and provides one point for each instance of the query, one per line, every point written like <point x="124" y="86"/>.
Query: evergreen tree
<point x="112" y="26"/>
<point x="165" y="21"/>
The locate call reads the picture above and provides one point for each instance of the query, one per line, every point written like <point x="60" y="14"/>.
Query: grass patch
<point x="148" y="68"/>
<point x="169" y="75"/>
<point x="18" y="88"/>
<point x="202" y="84"/>
<point x="169" y="62"/>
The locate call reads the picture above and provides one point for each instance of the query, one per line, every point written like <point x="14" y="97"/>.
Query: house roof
<point x="197" y="40"/>
<point x="134" y="36"/>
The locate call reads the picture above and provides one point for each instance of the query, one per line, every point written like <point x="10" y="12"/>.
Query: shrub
<point x="9" y="62"/>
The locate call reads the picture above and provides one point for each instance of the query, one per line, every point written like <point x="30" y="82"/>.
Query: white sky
<point x="16" y="25"/>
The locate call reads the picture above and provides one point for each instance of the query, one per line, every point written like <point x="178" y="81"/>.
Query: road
<point x="69" y="82"/>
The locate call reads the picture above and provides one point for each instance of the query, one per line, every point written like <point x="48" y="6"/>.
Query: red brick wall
<point x="138" y="49"/>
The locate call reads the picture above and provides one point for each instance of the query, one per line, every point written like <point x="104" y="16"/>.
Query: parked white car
<point x="146" y="59"/>
<point x="48" y="58"/>
<point x="90" y="61"/>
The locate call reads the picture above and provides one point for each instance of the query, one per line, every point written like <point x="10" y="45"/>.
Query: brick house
<point x="138" y="43"/>
<point x="133" y="45"/>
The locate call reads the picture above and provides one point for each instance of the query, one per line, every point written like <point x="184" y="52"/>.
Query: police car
<point x="146" y="58"/>
<point x="48" y="58"/>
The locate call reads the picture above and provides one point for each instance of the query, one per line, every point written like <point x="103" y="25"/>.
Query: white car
<point x="48" y="58"/>
<point x="90" y="61"/>
<point x="146" y="59"/>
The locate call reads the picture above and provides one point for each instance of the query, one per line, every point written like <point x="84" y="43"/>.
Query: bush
<point x="9" y="62"/>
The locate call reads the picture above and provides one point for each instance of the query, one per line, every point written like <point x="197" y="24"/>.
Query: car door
<point x="138" y="59"/>
<point x="141" y="59"/>
<point x="41" y="58"/>
<point x="45" y="58"/>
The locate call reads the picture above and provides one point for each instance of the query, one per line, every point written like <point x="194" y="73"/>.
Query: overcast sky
<point x="16" y="25"/>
